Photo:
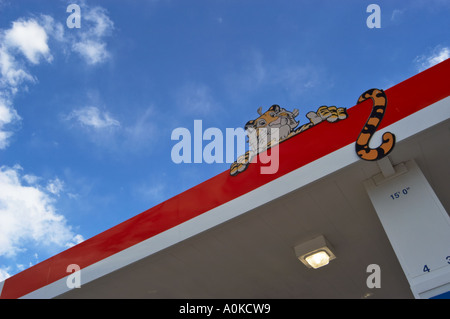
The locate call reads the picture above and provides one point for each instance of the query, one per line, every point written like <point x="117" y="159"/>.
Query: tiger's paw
<point x="332" y="113"/>
<point x="241" y="163"/>
<point x="237" y="168"/>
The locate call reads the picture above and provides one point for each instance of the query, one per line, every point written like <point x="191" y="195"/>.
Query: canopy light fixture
<point x="315" y="253"/>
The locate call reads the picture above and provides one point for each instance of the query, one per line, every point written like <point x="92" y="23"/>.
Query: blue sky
<point x="86" y="114"/>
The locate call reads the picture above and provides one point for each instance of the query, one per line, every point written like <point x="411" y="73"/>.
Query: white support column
<point x="417" y="226"/>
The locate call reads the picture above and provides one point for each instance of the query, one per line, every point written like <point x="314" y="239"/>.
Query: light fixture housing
<point x="315" y="253"/>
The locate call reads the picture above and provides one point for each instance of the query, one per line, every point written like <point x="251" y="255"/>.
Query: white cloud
<point x="102" y="24"/>
<point x="4" y="139"/>
<point x="8" y="116"/>
<point x="53" y="28"/>
<point x="30" y="179"/>
<point x="438" y="55"/>
<point x="134" y="132"/>
<point x="4" y="273"/>
<point x="92" y="51"/>
<point x="28" y="214"/>
<point x="55" y="186"/>
<point x="90" y="42"/>
<point x="75" y="241"/>
<point x="91" y="116"/>
<point x="30" y="38"/>
<point x="12" y="74"/>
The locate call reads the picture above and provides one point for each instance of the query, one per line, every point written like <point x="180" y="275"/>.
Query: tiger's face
<point x="274" y="118"/>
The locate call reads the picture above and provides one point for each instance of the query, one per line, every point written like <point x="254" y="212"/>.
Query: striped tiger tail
<point x="362" y="148"/>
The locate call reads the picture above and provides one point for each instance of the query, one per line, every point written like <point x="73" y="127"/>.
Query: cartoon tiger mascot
<point x="261" y="139"/>
<point x="260" y="131"/>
